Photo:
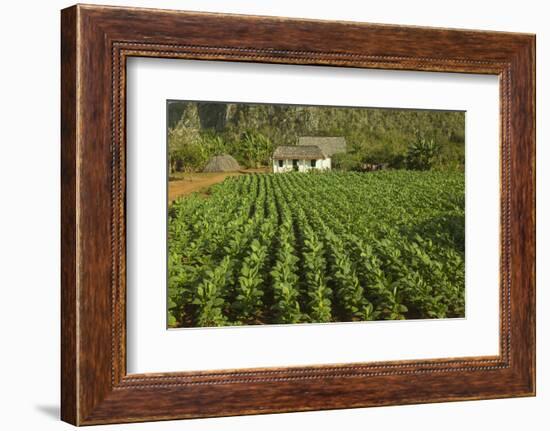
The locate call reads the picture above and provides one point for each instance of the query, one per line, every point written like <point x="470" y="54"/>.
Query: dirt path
<point x="196" y="182"/>
<point x="187" y="183"/>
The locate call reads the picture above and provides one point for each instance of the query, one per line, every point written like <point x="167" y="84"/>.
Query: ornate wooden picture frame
<point x="96" y="41"/>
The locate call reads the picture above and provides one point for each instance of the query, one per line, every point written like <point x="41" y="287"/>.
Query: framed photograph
<point x="263" y="214"/>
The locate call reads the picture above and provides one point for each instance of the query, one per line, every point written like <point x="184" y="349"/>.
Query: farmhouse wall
<point x="303" y="165"/>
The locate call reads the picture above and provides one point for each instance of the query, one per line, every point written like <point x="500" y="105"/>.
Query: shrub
<point x="422" y="154"/>
<point x="346" y="162"/>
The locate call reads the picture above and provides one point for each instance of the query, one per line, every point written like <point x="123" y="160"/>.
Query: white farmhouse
<point x="312" y="152"/>
<point x="299" y="158"/>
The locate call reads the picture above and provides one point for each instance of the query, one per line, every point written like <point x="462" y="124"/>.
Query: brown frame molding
<point x="95" y="43"/>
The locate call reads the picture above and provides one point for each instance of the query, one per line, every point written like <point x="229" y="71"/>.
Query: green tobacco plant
<point x="319" y="294"/>
<point x="249" y="290"/>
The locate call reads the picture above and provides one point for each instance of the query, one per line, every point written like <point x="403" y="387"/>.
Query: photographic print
<point x="291" y="214"/>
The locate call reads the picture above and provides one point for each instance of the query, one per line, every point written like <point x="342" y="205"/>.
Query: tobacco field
<point x="318" y="247"/>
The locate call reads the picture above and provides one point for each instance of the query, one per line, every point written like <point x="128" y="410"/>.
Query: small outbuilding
<point x="223" y="163"/>
<point x="300" y="158"/>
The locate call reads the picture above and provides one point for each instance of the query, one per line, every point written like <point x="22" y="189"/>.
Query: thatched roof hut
<point x="224" y="163"/>
<point x="298" y="152"/>
<point x="329" y="145"/>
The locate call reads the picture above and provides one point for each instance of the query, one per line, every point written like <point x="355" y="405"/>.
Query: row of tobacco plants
<point x="313" y="248"/>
